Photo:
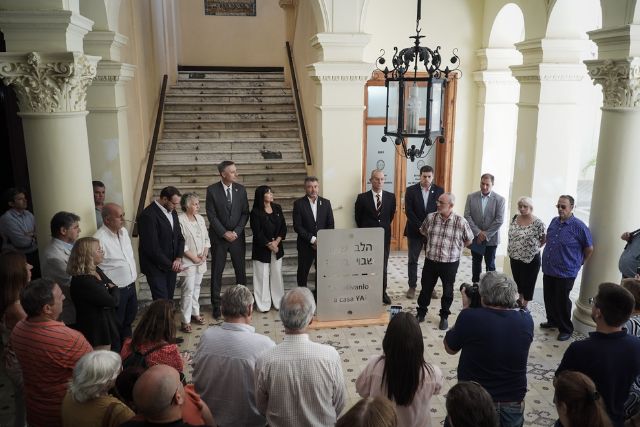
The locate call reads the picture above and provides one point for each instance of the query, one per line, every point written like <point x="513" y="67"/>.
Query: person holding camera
<point x="497" y="364"/>
<point x="629" y="263"/>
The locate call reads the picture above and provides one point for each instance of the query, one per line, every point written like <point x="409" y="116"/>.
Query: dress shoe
<point x="420" y="318"/>
<point x="444" y="324"/>
<point x="563" y="336"/>
<point x="547" y="325"/>
<point x="411" y="293"/>
<point x="434" y="295"/>
<point x="385" y="299"/>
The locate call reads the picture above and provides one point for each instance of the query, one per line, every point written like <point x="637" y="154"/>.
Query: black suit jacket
<point x="159" y="244"/>
<point x="221" y="220"/>
<point x="367" y="216"/>
<point x="414" y="208"/>
<point x="305" y="225"/>
<point x="267" y="228"/>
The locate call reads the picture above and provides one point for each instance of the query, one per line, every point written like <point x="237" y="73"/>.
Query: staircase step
<point x="217" y="156"/>
<point x="230" y="107"/>
<point x="284" y="132"/>
<point x="178" y="179"/>
<point x="233" y="83"/>
<point x="229" y="75"/>
<point x="202" y="101"/>
<point x="244" y="167"/>
<point x="219" y="116"/>
<point x="217" y="144"/>
<point x="177" y="91"/>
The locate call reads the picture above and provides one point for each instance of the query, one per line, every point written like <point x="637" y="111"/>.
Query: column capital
<point x="346" y="72"/>
<point x="113" y="73"/>
<point x="620" y="80"/>
<point x="49" y="82"/>
<point x="617" y="42"/>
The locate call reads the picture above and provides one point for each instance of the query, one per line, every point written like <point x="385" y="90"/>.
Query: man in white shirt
<point x="223" y="366"/>
<point x="119" y="264"/>
<point x="299" y="382"/>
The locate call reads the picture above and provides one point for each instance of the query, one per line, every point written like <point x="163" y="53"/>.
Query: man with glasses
<point x="161" y="244"/>
<point x="610" y="356"/>
<point x="119" y="264"/>
<point x="446" y="234"/>
<point x="569" y="246"/>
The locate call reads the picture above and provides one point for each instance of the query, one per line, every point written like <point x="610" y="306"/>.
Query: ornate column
<point x="107" y="125"/>
<point x="615" y="200"/>
<point x="551" y="81"/>
<point x="497" y="119"/>
<point x="340" y="78"/>
<point x="51" y="90"/>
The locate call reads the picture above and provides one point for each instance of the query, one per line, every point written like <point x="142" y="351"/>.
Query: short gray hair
<point x="497" y="290"/>
<point x="297" y="308"/>
<point x="527" y="201"/>
<point x="236" y="301"/>
<point x="94" y="374"/>
<point x="452" y="198"/>
<point x="186" y="200"/>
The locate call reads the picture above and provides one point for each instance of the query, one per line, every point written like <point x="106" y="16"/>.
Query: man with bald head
<point x="299" y="382"/>
<point x="158" y="395"/>
<point x="119" y="265"/>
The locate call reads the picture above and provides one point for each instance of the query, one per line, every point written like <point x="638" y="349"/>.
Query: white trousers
<point x="189" y="304"/>
<point x="265" y="274"/>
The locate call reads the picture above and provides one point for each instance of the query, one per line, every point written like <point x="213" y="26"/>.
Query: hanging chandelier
<point x="411" y="113"/>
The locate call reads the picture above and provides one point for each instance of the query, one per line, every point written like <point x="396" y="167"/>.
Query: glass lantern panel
<point x="392" y="112"/>
<point x="380" y="155"/>
<point x="436" y="107"/>
<point x="376" y="102"/>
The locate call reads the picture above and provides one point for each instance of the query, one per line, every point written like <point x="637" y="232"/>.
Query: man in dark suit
<point x="310" y="214"/>
<point x="419" y="201"/>
<point x="228" y="213"/>
<point x="376" y="208"/>
<point x="161" y="244"/>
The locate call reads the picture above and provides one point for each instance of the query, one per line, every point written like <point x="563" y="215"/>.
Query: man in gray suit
<point x="228" y="212"/>
<point x="65" y="230"/>
<point x="484" y="211"/>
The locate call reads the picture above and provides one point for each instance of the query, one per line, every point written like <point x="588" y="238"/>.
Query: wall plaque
<point x="230" y="7"/>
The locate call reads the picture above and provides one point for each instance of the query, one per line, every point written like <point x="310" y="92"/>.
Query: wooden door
<point x="399" y="171"/>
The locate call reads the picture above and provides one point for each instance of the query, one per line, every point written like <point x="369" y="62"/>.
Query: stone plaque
<point x="350" y="266"/>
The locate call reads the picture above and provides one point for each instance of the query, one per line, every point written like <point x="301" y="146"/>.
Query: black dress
<point x="95" y="308"/>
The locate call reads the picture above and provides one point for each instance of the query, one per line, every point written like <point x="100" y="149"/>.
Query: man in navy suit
<point x="376" y="208"/>
<point x="419" y="201"/>
<point x="310" y="214"/>
<point x="228" y="213"/>
<point x="161" y="244"/>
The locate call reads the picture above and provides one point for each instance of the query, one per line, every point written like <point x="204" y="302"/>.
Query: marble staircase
<point x="247" y="117"/>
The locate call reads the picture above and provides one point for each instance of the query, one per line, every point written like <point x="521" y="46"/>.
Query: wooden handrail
<point x="296" y="95"/>
<point x="152" y="154"/>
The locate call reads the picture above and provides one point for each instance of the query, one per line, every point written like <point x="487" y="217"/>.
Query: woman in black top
<point x="269" y="230"/>
<point x="94" y="296"/>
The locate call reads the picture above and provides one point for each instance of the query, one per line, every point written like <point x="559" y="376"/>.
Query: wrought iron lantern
<point x="415" y="105"/>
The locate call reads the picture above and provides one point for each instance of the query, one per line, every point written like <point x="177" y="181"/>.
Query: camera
<point x="393" y="310"/>
<point x="472" y="293"/>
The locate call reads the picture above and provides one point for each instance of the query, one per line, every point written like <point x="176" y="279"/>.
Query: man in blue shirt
<point x="495" y="341"/>
<point x="610" y="357"/>
<point x="18" y="228"/>
<point x="568" y="247"/>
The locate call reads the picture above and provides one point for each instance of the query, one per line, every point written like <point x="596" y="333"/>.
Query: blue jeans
<point x="510" y="414"/>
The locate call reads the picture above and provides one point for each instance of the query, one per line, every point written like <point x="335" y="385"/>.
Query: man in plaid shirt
<point x="446" y="233"/>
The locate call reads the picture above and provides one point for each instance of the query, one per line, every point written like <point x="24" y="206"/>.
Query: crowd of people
<point x="74" y="359"/>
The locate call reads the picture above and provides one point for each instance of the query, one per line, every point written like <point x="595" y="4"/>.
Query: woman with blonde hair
<point x="370" y="412"/>
<point x="578" y="402"/>
<point x="526" y="237"/>
<point x="88" y="402"/>
<point x="194" y="260"/>
<point x="94" y="295"/>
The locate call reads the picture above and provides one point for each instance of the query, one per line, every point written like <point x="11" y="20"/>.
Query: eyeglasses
<point x="562" y="206"/>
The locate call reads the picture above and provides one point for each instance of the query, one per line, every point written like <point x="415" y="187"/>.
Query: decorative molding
<point x="620" y="81"/>
<point x="49" y="83"/>
<point x="546" y="72"/>
<point x="345" y="72"/>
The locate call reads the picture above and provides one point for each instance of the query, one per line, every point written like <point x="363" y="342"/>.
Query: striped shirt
<point x="445" y="237"/>
<point x="48" y="352"/>
<point x="300" y="383"/>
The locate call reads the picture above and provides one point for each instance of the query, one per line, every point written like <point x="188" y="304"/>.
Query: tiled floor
<point x="357" y="344"/>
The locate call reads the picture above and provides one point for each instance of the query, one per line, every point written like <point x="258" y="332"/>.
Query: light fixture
<point x="415" y="105"/>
